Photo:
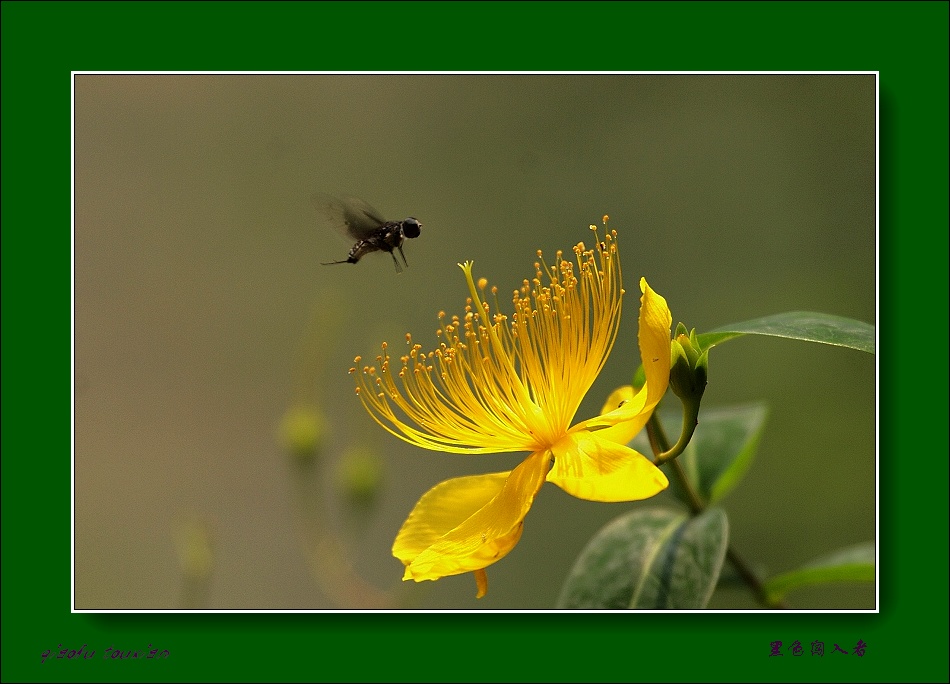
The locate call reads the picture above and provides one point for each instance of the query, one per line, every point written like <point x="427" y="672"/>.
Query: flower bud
<point x="302" y="431"/>
<point x="193" y="540"/>
<point x="689" y="366"/>
<point x="360" y="476"/>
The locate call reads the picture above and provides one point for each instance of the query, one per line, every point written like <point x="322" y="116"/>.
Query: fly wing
<point x="351" y="216"/>
<point x="359" y="212"/>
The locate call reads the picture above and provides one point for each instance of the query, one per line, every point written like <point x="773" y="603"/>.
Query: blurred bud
<point x="689" y="367"/>
<point x="360" y="475"/>
<point x="302" y="430"/>
<point x="195" y="554"/>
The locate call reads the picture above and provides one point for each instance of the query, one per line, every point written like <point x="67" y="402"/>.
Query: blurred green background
<point x="202" y="315"/>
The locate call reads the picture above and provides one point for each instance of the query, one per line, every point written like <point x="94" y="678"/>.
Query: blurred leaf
<point x="799" y="325"/>
<point x="720" y="452"/>
<point x="722" y="448"/>
<point x="650" y="558"/>
<point x="852" y="564"/>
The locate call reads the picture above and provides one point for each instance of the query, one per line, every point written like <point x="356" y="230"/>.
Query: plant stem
<point x="690" y="421"/>
<point x="750" y="578"/>
<point x="661" y="446"/>
<point x="695" y="503"/>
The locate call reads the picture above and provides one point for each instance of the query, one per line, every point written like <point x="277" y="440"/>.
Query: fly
<point x="360" y="222"/>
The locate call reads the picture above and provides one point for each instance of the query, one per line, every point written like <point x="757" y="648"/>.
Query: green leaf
<point x="720" y="452"/>
<point x="650" y="558"/>
<point x="799" y="325"/>
<point x="852" y="564"/>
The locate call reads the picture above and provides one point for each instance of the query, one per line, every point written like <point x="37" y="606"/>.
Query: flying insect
<point x="358" y="221"/>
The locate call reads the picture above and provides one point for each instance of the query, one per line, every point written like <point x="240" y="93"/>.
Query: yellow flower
<point x="495" y="385"/>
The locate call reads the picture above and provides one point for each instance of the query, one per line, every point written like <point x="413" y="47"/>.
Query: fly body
<point x="358" y="221"/>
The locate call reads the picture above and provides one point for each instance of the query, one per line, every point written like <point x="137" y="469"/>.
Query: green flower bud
<point x="302" y="430"/>
<point x="689" y="367"/>
<point x="360" y="475"/>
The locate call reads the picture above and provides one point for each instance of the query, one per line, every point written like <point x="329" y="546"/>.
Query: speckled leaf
<point x="799" y="325"/>
<point x="852" y="564"/>
<point x="650" y="558"/>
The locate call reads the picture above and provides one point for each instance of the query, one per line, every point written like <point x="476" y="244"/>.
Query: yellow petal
<point x="442" y="509"/>
<point x="618" y="398"/>
<point x="654" y="336"/>
<point x="634" y="418"/>
<point x="596" y="469"/>
<point x="626" y="411"/>
<point x="486" y="514"/>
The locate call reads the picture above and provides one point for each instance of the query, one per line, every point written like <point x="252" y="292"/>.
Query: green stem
<point x="690" y="421"/>
<point x="660" y="445"/>
<point x="696" y="504"/>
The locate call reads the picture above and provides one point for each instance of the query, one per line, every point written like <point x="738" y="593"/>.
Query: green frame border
<point x="42" y="42"/>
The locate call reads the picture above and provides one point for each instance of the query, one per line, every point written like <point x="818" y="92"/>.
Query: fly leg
<point x="403" y="255"/>
<point x="395" y="261"/>
<point x="351" y="260"/>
